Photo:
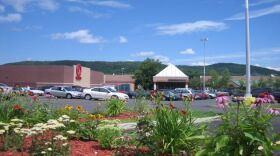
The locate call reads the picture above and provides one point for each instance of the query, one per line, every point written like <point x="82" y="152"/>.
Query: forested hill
<point x="130" y="67"/>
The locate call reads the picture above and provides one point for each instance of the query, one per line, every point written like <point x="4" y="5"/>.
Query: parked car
<point x="19" y="91"/>
<point x="64" y="92"/>
<point x="170" y="95"/>
<point x="257" y="91"/>
<point x="211" y="94"/>
<point x="237" y="93"/>
<point x="5" y="88"/>
<point x="103" y="93"/>
<point x="200" y="95"/>
<point x="35" y="91"/>
<point x="77" y="88"/>
<point x="43" y="88"/>
<point x="183" y="92"/>
<point x="131" y="94"/>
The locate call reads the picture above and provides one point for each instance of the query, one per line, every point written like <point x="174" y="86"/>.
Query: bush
<point x="114" y="107"/>
<point x="244" y="129"/>
<point x="141" y="105"/>
<point x="173" y="131"/>
<point x="107" y="134"/>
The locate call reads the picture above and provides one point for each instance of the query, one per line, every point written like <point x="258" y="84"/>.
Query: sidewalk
<point x="132" y="125"/>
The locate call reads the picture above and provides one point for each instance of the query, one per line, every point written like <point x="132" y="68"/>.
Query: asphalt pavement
<point x="94" y="105"/>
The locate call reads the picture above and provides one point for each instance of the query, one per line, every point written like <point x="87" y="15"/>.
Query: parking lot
<point x="92" y="105"/>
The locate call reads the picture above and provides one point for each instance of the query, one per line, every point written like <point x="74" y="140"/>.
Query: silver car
<point x="5" y="88"/>
<point x="64" y="92"/>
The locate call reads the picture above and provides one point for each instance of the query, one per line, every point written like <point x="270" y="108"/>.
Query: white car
<point x="103" y="93"/>
<point x="184" y="92"/>
<point x="34" y="91"/>
<point x="5" y="88"/>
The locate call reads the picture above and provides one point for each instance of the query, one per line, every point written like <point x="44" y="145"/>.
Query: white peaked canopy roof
<point x="171" y="71"/>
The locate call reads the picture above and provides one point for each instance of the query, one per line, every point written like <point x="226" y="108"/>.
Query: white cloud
<point x="86" y="12"/>
<point x="197" y="26"/>
<point x="104" y="3"/>
<point x="274" y="68"/>
<point x="188" y="51"/>
<point x="2" y="8"/>
<point x="123" y="39"/>
<point x="258" y="65"/>
<point x="21" y="5"/>
<point x="82" y="36"/>
<point x="262" y="2"/>
<point x="145" y="54"/>
<point x="161" y="58"/>
<point x="11" y="18"/>
<point x="257" y="13"/>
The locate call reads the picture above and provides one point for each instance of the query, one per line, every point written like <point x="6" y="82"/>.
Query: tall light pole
<point x="122" y="70"/>
<point x="248" y="63"/>
<point x="204" y="40"/>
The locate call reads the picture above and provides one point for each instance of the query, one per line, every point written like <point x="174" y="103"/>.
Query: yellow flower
<point x="249" y="101"/>
<point x="68" y="107"/>
<point x="79" y="108"/>
<point x="260" y="148"/>
<point x="277" y="142"/>
<point x="92" y="116"/>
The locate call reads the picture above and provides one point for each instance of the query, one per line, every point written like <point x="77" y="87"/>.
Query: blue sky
<point x="132" y="30"/>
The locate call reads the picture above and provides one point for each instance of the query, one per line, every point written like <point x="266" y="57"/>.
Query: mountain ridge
<point x="129" y="67"/>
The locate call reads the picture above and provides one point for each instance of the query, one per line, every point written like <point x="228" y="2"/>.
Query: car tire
<point x="88" y="97"/>
<point x="68" y="96"/>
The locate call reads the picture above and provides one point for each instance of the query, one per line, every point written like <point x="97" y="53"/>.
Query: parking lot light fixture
<point x="248" y="63"/>
<point x="204" y="40"/>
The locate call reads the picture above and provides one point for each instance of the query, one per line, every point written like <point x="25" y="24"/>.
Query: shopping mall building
<point x="42" y="75"/>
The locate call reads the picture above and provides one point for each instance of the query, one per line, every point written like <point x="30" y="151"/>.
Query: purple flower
<point x="222" y="101"/>
<point x="273" y="111"/>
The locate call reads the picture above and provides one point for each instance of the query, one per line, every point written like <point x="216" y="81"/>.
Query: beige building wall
<point x="85" y="81"/>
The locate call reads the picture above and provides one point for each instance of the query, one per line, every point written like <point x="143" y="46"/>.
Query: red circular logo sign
<point x="78" y="72"/>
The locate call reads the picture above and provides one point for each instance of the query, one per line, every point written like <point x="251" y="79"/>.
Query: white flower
<point x="17" y="130"/>
<point x="2" y="131"/>
<point x="43" y="152"/>
<point x="49" y="149"/>
<point x="60" y="137"/>
<point x="65" y="144"/>
<point x="260" y="148"/>
<point x="65" y="116"/>
<point x="17" y="120"/>
<point x="47" y="143"/>
<point x="277" y="142"/>
<point x="71" y="132"/>
<point x="6" y="127"/>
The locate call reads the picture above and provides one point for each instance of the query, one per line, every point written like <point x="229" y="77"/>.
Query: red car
<point x="200" y="95"/>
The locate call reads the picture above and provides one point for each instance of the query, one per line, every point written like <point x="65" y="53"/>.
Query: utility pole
<point x="204" y="40"/>
<point x="248" y="63"/>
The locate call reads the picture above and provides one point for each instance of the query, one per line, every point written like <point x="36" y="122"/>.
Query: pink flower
<point x="222" y="101"/>
<point x="273" y="111"/>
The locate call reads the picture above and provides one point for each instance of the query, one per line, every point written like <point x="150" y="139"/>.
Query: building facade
<point x="170" y="78"/>
<point x="43" y="75"/>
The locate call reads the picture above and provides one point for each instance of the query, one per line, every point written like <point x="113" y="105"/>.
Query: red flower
<point x="17" y="107"/>
<point x="171" y="106"/>
<point x="183" y="112"/>
<point x="34" y="98"/>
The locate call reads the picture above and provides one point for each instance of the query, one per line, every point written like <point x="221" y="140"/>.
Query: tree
<point x="225" y="79"/>
<point x="195" y="83"/>
<point x="145" y="72"/>
<point x="214" y="81"/>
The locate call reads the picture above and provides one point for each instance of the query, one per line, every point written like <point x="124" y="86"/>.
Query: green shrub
<point x="114" y="107"/>
<point x="141" y="105"/>
<point x="107" y="134"/>
<point x="245" y="130"/>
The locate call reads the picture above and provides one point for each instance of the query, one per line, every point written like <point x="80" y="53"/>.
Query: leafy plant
<point x="114" y="107"/>
<point x="243" y="131"/>
<point x="106" y="135"/>
<point x="141" y="105"/>
<point x="173" y="131"/>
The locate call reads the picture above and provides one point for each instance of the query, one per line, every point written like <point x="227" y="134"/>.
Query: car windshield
<point x="68" y="88"/>
<point x="2" y="84"/>
<point x="111" y="90"/>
